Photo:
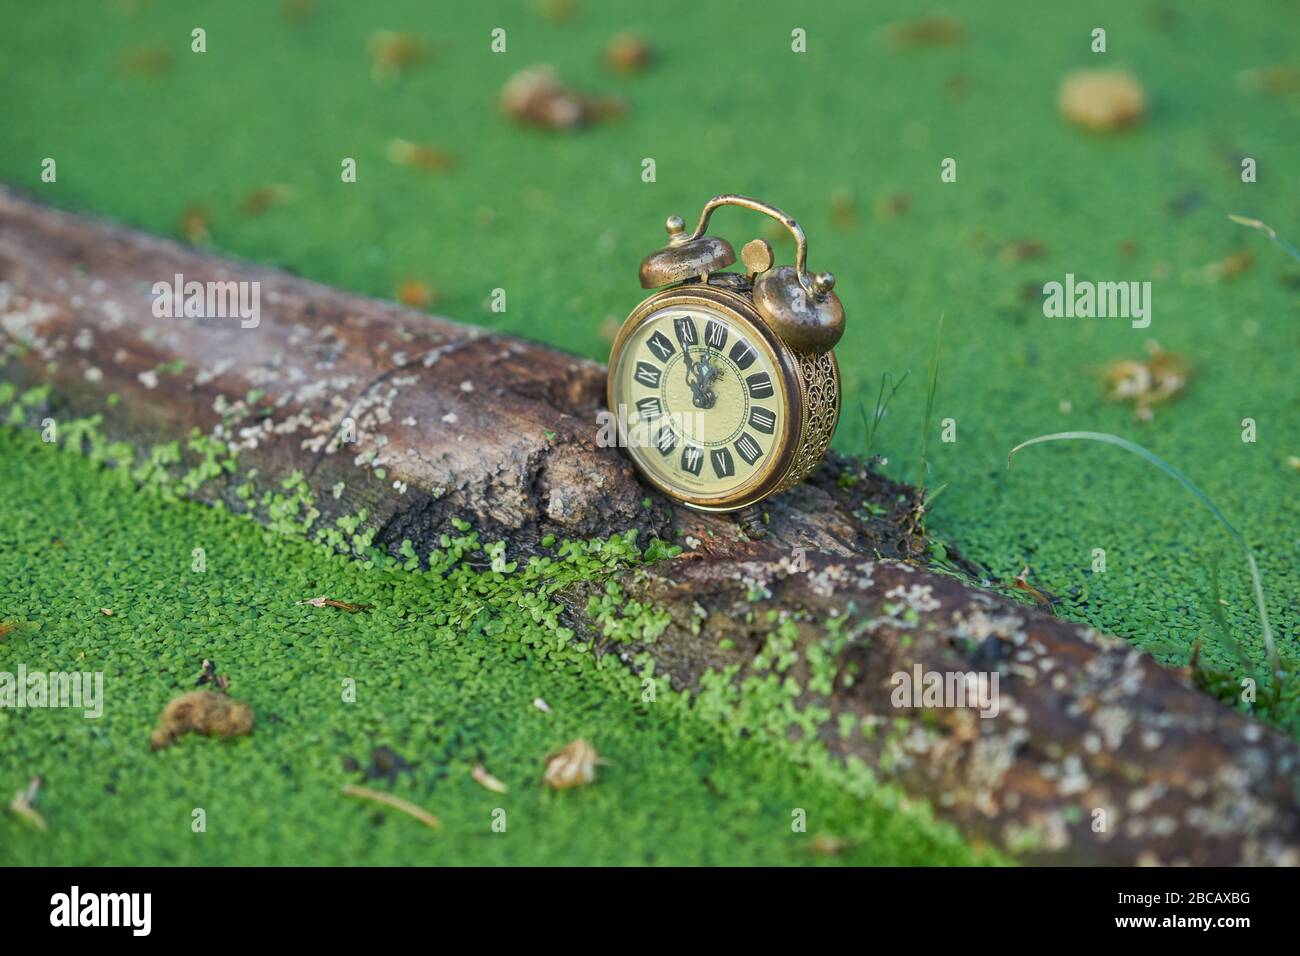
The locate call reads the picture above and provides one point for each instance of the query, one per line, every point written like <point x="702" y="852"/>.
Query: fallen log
<point x="1094" y="753"/>
<point x="334" y="410"/>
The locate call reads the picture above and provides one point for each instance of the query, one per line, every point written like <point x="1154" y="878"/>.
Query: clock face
<point x="702" y="398"/>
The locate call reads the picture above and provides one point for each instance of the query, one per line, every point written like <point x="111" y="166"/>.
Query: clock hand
<point x="699" y="376"/>
<point x="692" y="379"/>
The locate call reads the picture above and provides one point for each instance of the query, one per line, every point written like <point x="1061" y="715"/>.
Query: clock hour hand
<point x="700" y="376"/>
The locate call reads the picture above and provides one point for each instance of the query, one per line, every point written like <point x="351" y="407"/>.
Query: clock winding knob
<point x="757" y="256"/>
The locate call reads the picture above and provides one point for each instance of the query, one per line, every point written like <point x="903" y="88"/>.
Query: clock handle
<point x="817" y="286"/>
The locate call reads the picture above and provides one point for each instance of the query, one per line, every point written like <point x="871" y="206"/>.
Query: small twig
<point x="24" y="804"/>
<point x="341" y="605"/>
<point x="397" y="803"/>
<point x="1021" y="583"/>
<point x="486" y="780"/>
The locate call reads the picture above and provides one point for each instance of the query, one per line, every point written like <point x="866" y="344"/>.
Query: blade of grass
<point x="1268" y="231"/>
<point x="882" y="405"/>
<point x="1106" y="438"/>
<point x="930" y="498"/>
<point x="1226" y="637"/>
<point x="931" y="388"/>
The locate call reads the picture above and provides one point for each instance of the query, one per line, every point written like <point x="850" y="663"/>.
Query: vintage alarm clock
<point x="724" y="384"/>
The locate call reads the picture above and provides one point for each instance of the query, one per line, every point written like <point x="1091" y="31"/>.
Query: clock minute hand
<point x="700" y="377"/>
<point x="692" y="378"/>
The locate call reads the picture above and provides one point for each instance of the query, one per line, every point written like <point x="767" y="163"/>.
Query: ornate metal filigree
<point x="819" y="377"/>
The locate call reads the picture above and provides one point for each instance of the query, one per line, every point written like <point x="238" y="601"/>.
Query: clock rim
<point x="770" y="478"/>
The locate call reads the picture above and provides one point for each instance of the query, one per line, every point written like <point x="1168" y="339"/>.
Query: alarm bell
<point x="685" y="257"/>
<point x="808" y="319"/>
<point x="801" y="308"/>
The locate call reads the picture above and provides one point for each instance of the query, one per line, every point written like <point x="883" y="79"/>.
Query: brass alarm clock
<point x="724" y="384"/>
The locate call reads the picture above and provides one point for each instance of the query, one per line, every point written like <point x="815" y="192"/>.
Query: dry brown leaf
<point x="486" y="780"/>
<point x="106" y="611"/>
<point x="7" y="628"/>
<point x="957" y="85"/>
<point x="392" y="52"/>
<point x="297" y="10"/>
<point x="1022" y="250"/>
<point x="416" y="294"/>
<point x="24" y="804"/>
<point x="1102" y="100"/>
<point x="844" y="209"/>
<point x="1159" y="378"/>
<point x="557" y="11"/>
<point x="572" y="766"/>
<point x="420" y="156"/>
<point x="892" y="206"/>
<point x="824" y="844"/>
<point x="608" y="328"/>
<point x="936" y="30"/>
<point x="202" y="712"/>
<point x="536" y="97"/>
<point x="264" y="197"/>
<point x="1273" y="80"/>
<point x="628" y="53"/>
<point x="341" y="605"/>
<point x="397" y="803"/>
<point x="1230" y="266"/>
<point x="195" y="223"/>
<point x="144" y="61"/>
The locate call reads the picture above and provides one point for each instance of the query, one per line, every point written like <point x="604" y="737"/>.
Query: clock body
<point x="713" y="407"/>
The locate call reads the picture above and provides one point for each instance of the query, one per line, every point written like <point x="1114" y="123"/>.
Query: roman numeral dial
<point x="715" y="333"/>
<point x="660" y="346"/>
<point x="684" y="327"/>
<point x="724" y="466"/>
<point x="703" y="401"/>
<point x="647" y="374"/>
<point x="748" y="448"/>
<point x="762" y="419"/>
